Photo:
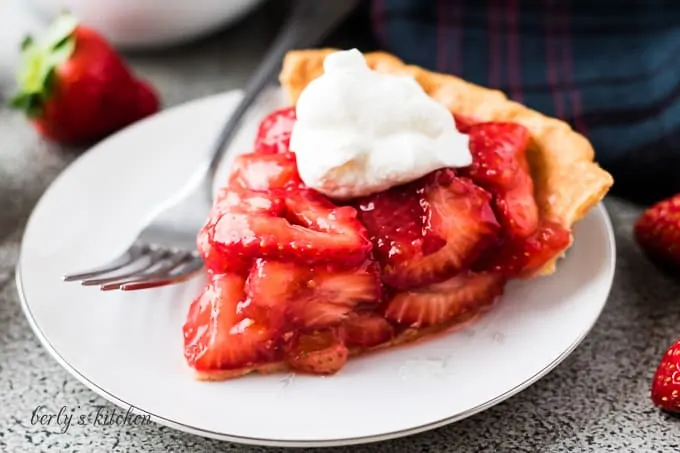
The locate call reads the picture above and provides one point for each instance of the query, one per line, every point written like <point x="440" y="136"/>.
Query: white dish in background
<point x="127" y="347"/>
<point x="147" y="23"/>
<point x="15" y="23"/>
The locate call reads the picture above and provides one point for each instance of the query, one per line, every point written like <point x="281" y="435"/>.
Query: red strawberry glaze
<point x="273" y="135"/>
<point x="297" y="278"/>
<point x="429" y="230"/>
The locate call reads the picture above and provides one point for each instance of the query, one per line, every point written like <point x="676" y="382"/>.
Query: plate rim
<point x="294" y="443"/>
<point x="330" y="442"/>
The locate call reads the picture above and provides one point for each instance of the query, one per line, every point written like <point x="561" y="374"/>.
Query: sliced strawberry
<point x="544" y="245"/>
<point x="464" y="123"/>
<point x="245" y="201"/>
<point x="366" y="330"/>
<point x="269" y="288"/>
<point x="248" y="237"/>
<point x="221" y="194"/>
<point x="264" y="171"/>
<point x="440" y="302"/>
<point x="214" y="260"/>
<point x="217" y="259"/>
<point x="432" y="240"/>
<point x="285" y="293"/>
<point x="273" y="135"/>
<point x="521" y="257"/>
<point x="328" y="297"/>
<point x="459" y="212"/>
<point x="495" y="149"/>
<point x="517" y="209"/>
<point x="315" y="232"/>
<point x="500" y="166"/>
<point x="395" y="220"/>
<point x="319" y="353"/>
<point x="215" y="337"/>
<point x="312" y="210"/>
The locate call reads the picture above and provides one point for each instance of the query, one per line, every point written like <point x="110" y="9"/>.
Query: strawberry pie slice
<point x="300" y="280"/>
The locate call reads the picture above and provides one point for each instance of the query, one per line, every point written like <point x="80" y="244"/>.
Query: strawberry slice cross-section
<point x="367" y="330"/>
<point x="320" y="352"/>
<point x="216" y="259"/>
<point x="286" y="295"/>
<point x="428" y="230"/>
<point x="264" y="172"/>
<point x="273" y="135"/>
<point x="440" y="302"/>
<point x="500" y="166"/>
<point x="216" y="337"/>
<point x="299" y="226"/>
<point x="524" y="257"/>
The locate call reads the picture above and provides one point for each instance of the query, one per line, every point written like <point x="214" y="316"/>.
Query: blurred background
<point x="612" y="77"/>
<point x="171" y="39"/>
<point x="211" y="47"/>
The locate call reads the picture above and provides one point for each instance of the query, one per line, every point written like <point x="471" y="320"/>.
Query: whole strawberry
<point x="666" y="384"/>
<point x="657" y="231"/>
<point x="75" y="88"/>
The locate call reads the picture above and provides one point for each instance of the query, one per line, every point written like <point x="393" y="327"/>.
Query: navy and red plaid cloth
<point x="610" y="68"/>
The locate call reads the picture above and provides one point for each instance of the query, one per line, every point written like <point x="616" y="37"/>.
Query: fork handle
<point x="308" y="23"/>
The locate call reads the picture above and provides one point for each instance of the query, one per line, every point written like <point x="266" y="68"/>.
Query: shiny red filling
<point x="295" y="277"/>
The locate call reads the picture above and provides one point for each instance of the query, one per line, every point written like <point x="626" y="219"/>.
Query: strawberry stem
<point x="40" y="59"/>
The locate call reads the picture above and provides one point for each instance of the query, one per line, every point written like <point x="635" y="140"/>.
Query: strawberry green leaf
<point x="40" y="61"/>
<point x="62" y="52"/>
<point x="27" y="42"/>
<point x="61" y="31"/>
<point x="29" y="103"/>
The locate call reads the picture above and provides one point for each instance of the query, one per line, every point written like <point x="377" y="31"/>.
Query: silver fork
<point x="164" y="252"/>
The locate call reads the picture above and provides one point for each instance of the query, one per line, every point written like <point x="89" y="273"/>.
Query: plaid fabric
<point x="610" y="68"/>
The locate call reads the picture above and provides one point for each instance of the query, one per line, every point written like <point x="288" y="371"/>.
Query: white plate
<point x="127" y="347"/>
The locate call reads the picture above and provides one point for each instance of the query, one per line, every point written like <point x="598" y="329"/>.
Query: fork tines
<point x="142" y="267"/>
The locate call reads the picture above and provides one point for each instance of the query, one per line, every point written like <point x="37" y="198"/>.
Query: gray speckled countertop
<point x="595" y="401"/>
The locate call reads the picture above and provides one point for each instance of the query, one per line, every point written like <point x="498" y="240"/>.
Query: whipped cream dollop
<point x="360" y="132"/>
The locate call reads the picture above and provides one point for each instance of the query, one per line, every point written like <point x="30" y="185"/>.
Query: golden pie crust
<point x="567" y="181"/>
